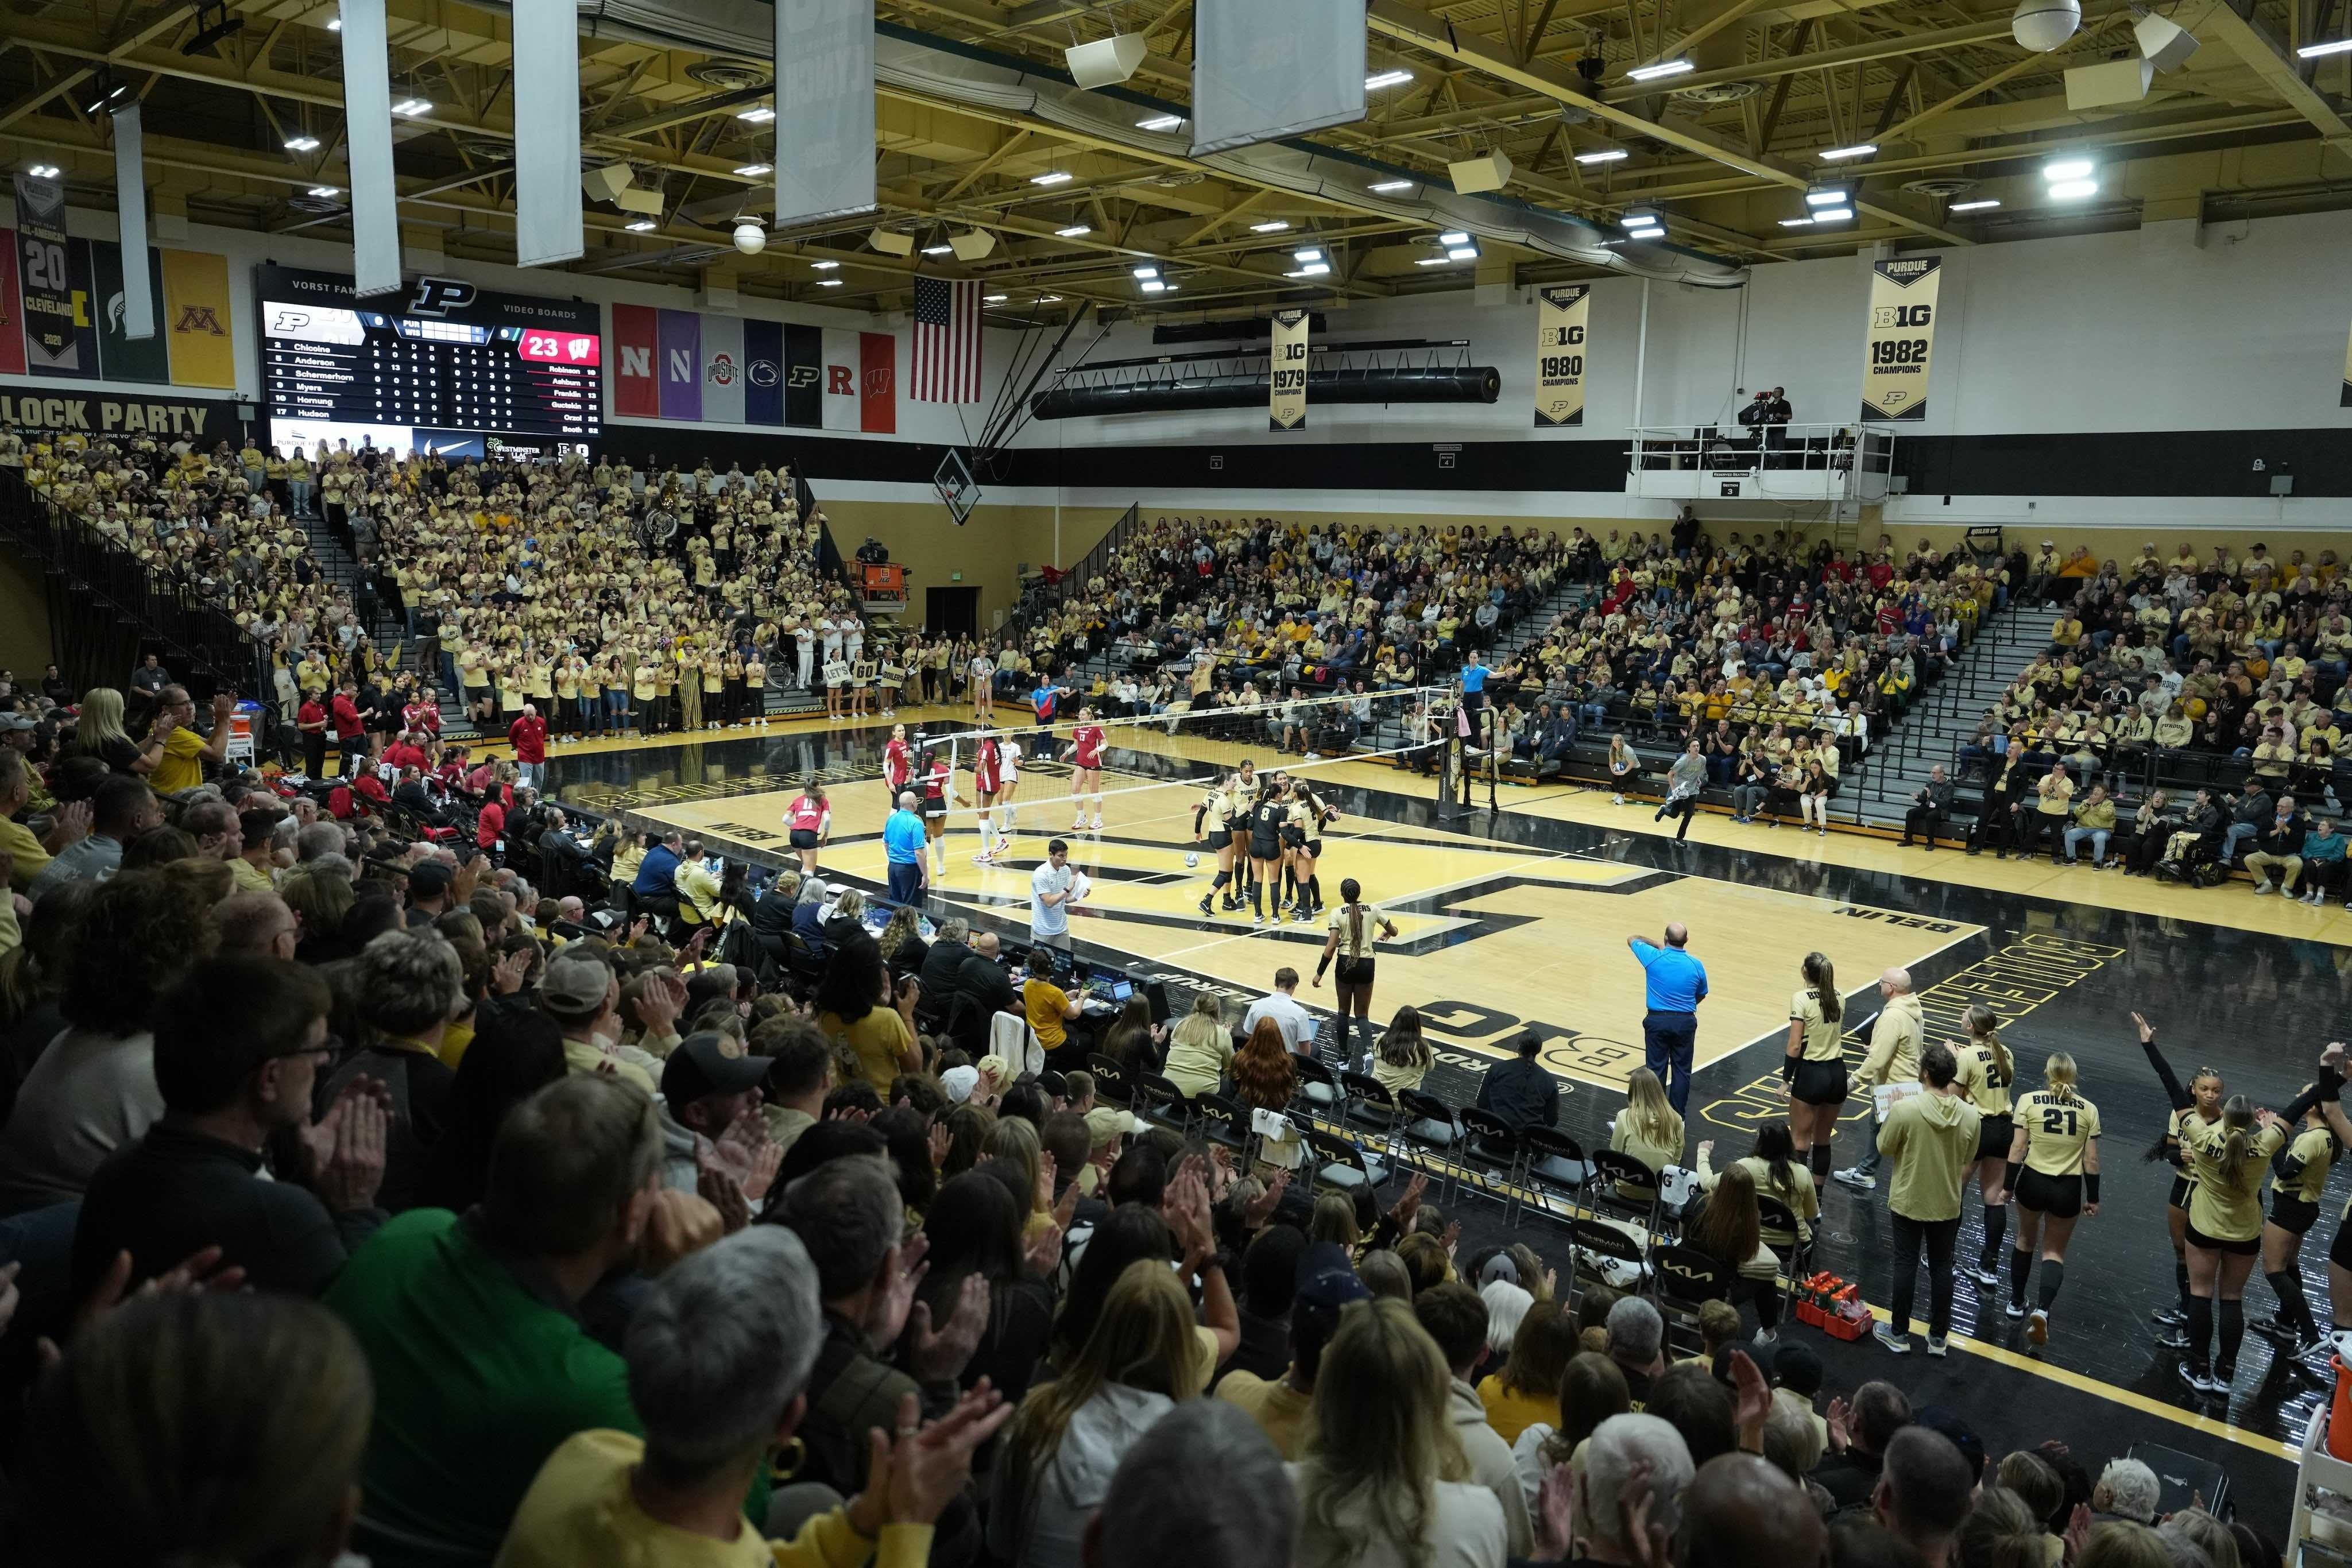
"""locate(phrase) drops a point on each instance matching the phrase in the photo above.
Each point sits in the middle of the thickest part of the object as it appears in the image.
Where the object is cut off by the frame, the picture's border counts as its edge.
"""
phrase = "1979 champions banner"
(1561, 310)
(1902, 330)
(1286, 406)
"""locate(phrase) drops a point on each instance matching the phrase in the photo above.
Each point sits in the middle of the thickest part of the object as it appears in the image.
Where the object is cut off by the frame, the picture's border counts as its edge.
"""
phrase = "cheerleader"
(2205, 1095)
(2051, 1173)
(891, 675)
(987, 775)
(2297, 1179)
(809, 822)
(1212, 824)
(1310, 815)
(1986, 1071)
(938, 781)
(861, 685)
(836, 676)
(898, 761)
(1814, 1065)
(1084, 755)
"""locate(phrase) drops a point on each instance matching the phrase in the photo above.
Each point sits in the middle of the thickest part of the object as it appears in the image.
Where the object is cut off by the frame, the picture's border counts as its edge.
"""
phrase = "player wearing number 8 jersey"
(2052, 1172)
(1985, 1072)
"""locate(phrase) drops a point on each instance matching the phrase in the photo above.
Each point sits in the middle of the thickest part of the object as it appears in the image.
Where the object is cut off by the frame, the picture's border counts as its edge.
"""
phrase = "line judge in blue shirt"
(1676, 983)
(902, 842)
(1473, 694)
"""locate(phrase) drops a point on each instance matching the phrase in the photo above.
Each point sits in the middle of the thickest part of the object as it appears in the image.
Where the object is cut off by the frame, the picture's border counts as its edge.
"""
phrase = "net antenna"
(1157, 768)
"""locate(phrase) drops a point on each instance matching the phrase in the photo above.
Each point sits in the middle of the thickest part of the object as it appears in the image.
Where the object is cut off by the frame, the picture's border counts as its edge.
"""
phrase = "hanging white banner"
(1560, 312)
(825, 109)
(367, 142)
(131, 214)
(1287, 385)
(1262, 72)
(547, 132)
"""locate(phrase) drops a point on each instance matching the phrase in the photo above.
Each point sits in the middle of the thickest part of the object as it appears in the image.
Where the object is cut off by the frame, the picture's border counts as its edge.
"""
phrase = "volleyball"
(1191, 861)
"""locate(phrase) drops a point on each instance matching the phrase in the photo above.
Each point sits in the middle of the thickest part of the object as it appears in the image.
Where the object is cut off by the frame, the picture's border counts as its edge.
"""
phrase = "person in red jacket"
(311, 720)
(491, 825)
(350, 734)
(406, 753)
(528, 733)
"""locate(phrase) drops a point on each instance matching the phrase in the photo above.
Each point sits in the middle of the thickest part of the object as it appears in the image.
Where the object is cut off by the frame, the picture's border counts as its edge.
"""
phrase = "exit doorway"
(951, 612)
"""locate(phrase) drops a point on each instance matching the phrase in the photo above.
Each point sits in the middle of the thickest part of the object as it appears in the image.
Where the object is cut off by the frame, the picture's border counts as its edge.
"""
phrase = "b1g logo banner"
(1901, 332)
(1560, 312)
(1286, 372)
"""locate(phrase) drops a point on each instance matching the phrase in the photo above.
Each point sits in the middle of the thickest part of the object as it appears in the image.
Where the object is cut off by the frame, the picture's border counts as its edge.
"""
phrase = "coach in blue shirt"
(902, 842)
(1676, 983)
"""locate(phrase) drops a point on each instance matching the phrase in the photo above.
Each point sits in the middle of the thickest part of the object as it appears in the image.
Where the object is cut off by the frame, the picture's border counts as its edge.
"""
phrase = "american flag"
(947, 341)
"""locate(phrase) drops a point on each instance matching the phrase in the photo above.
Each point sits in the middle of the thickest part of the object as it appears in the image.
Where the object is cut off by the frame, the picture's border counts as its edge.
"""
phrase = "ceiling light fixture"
(824, 265)
(315, 190)
(1833, 214)
(1161, 122)
(302, 144)
(1976, 206)
(412, 107)
(1796, 222)
(1453, 236)
(937, 249)
(1860, 150)
(1049, 300)
(1312, 253)
(1389, 187)
(1053, 177)
(1828, 197)
(43, 171)
(1074, 231)
(1435, 261)
(1607, 155)
(2332, 46)
(2066, 169)
(1662, 69)
(1463, 253)
(753, 170)
(828, 283)
(1154, 286)
(2074, 190)
(758, 115)
(643, 225)
(994, 299)
(1271, 227)
(1386, 79)
(336, 26)
(1146, 272)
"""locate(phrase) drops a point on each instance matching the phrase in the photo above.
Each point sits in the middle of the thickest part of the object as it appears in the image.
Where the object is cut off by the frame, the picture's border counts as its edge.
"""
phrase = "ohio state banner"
(1902, 330)
(1561, 310)
(1286, 386)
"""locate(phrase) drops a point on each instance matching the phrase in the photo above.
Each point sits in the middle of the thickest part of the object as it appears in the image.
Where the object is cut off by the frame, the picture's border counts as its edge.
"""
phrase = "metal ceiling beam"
(1826, 59)
(163, 22)
(2263, 53)
(1391, 18)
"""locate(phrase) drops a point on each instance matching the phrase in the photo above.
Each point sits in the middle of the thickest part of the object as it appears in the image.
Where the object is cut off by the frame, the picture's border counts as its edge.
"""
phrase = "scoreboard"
(440, 366)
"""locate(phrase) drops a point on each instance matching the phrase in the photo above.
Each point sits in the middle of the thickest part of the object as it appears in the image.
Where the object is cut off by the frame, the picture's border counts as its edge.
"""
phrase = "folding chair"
(1111, 1080)
(1779, 1230)
(1340, 1166)
(1623, 1186)
(1490, 1150)
(1318, 1089)
(1370, 1103)
(1557, 1164)
(1430, 1128)
(1606, 1253)
(1223, 1122)
(1683, 1279)
(1157, 1100)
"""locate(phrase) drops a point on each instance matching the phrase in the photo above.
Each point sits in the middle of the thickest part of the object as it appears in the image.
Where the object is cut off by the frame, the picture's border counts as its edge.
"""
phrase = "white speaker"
(891, 243)
(2108, 83)
(973, 247)
(2041, 25)
(2167, 46)
(1105, 63)
(1491, 172)
(606, 184)
(634, 201)
(750, 238)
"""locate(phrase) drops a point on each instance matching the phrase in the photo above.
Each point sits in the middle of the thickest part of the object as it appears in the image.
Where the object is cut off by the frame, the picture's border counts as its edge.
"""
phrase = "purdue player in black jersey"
(1267, 814)
(2052, 1174)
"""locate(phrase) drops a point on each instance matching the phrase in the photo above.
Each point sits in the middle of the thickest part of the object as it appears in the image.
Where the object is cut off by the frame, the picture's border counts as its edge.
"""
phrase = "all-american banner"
(696, 368)
(1560, 312)
(1902, 332)
(62, 304)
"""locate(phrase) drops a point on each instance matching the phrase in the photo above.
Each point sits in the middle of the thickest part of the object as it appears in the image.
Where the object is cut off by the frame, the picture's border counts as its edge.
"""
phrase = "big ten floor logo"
(1565, 1052)
(741, 831)
(1765, 1100)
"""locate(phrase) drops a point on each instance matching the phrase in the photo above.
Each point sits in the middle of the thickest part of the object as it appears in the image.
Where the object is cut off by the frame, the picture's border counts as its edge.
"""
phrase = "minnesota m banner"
(1561, 309)
(1901, 329)
(1286, 406)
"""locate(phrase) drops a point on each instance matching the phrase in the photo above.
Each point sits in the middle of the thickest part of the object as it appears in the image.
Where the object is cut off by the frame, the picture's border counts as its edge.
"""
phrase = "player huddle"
(1267, 833)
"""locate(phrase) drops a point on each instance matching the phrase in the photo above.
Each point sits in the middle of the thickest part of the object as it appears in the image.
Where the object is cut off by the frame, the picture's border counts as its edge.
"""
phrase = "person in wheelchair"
(2194, 849)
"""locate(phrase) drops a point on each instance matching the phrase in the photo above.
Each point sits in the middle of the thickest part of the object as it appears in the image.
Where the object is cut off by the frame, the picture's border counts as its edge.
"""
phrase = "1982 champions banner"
(1561, 310)
(1902, 330)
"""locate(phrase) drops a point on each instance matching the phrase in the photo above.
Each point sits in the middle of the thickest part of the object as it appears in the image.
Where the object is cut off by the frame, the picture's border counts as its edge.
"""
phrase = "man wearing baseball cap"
(1327, 1284)
(705, 1090)
(579, 992)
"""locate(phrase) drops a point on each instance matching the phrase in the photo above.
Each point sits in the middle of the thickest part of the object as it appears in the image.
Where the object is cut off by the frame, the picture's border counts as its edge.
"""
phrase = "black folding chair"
(1778, 1229)
(1490, 1151)
(1431, 1129)
(1683, 1279)
(1159, 1100)
(1318, 1089)
(1223, 1122)
(1593, 1245)
(1557, 1164)
(1370, 1103)
(1623, 1186)
(1340, 1166)
(1111, 1080)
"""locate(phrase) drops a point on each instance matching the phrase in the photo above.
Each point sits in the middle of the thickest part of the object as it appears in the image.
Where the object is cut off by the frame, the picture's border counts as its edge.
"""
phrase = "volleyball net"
(1156, 767)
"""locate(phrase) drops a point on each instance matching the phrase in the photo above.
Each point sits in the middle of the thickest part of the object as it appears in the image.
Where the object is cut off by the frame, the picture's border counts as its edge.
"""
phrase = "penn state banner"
(1286, 382)
(1560, 312)
(1902, 330)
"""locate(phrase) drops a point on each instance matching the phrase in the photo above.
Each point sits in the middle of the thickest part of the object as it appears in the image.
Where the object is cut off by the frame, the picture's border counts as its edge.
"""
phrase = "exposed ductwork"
(1448, 383)
(954, 74)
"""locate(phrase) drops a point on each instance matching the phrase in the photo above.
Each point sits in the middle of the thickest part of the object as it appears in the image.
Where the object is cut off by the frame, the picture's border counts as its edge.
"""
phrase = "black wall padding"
(1452, 383)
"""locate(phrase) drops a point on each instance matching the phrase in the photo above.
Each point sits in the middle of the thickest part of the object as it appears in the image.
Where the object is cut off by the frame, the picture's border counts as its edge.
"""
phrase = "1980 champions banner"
(1561, 310)
(1901, 329)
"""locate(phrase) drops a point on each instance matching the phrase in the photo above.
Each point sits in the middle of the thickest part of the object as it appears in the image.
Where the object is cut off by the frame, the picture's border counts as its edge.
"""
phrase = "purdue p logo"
(439, 295)
(200, 318)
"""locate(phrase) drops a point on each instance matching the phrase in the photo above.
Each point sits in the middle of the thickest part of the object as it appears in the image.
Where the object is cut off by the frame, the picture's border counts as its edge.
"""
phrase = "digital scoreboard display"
(440, 366)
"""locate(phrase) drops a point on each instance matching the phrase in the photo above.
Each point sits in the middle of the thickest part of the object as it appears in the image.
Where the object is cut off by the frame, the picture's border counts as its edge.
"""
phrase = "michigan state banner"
(1561, 310)
(1902, 332)
(1286, 406)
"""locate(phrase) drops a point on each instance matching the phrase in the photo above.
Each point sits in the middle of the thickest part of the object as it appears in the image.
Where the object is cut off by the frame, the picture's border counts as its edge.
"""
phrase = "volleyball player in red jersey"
(986, 778)
(898, 761)
(938, 781)
(1085, 757)
(809, 819)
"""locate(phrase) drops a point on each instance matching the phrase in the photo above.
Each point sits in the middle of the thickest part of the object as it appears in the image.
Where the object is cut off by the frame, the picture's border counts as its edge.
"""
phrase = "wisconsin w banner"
(1901, 329)
(1287, 385)
(1561, 309)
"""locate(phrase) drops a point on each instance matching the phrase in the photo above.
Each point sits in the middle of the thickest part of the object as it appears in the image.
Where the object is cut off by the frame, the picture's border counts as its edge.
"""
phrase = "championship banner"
(1901, 329)
(2348, 375)
(1561, 310)
(196, 320)
(60, 337)
(1287, 385)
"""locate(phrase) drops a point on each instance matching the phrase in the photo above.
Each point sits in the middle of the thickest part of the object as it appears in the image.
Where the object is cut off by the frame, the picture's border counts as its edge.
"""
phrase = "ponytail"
(1984, 1027)
(1352, 894)
(1822, 974)
(2238, 1115)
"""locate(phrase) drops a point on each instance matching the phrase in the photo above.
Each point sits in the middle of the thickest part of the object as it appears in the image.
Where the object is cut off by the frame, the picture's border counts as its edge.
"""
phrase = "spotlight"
(43, 171)
(2074, 190)
(1833, 214)
(2066, 169)
(1828, 197)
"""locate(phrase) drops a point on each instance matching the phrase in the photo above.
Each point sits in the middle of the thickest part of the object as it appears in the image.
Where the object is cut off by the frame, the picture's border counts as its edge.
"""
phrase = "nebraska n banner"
(1902, 332)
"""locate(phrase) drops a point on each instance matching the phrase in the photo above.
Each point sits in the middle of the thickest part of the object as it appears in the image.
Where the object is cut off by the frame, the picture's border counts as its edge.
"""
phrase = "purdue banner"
(1561, 309)
(1287, 385)
(1901, 329)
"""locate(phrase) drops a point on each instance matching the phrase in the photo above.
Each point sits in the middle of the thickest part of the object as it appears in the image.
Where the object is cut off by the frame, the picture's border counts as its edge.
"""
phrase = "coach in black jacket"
(1931, 808)
(1520, 1091)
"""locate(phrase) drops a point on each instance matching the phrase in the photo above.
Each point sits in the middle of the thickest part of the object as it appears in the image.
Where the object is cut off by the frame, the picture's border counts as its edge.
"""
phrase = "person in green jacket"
(2095, 818)
(1931, 1137)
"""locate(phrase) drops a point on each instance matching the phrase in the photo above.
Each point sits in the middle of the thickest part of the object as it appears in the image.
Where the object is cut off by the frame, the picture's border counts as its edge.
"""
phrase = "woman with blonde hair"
(1201, 1049)
(2052, 1176)
(1015, 1140)
(1814, 1065)
(1649, 1128)
(1383, 1482)
(1066, 1441)
(99, 733)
